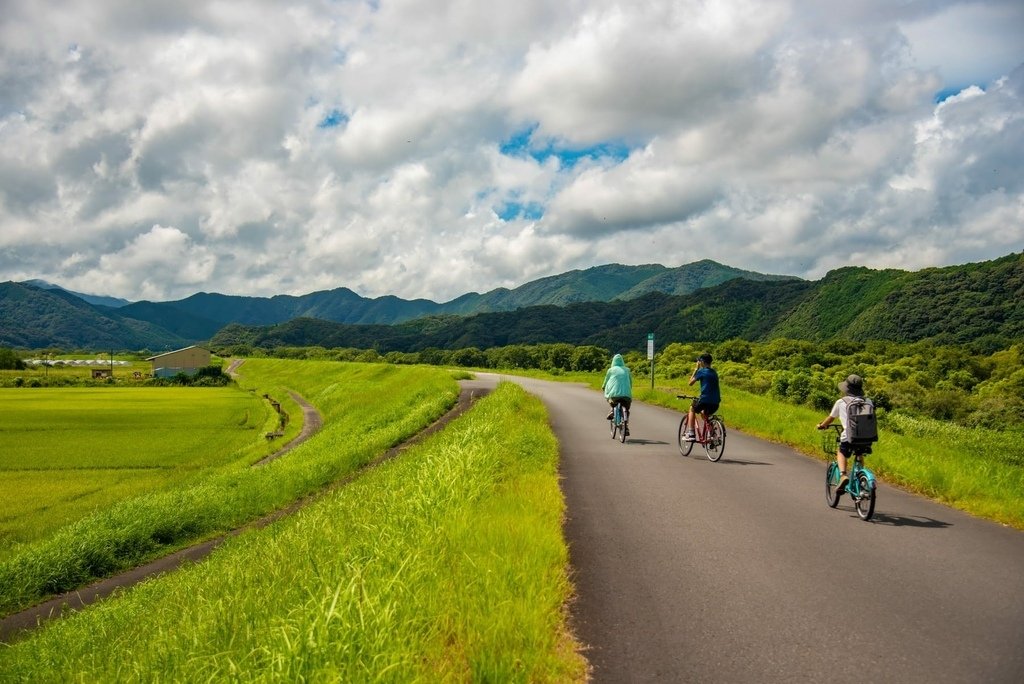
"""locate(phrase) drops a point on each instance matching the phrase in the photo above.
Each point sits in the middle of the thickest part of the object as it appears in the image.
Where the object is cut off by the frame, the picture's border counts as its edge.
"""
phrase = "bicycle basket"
(830, 441)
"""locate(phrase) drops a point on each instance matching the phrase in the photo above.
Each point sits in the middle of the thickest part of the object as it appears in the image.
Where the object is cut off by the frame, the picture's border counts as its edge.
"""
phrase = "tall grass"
(445, 564)
(374, 407)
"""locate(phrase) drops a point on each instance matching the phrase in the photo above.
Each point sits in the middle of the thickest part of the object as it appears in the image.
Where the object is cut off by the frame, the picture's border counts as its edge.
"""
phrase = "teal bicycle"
(861, 486)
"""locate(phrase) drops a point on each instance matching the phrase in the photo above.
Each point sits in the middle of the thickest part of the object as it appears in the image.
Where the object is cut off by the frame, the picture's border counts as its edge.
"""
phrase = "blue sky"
(430, 148)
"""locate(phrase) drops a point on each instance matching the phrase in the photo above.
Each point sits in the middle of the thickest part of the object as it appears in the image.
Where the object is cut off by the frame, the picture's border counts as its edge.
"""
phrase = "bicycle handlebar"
(686, 396)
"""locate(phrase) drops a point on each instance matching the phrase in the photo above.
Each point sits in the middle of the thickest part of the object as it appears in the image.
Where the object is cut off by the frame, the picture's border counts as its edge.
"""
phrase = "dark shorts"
(847, 449)
(625, 401)
(703, 406)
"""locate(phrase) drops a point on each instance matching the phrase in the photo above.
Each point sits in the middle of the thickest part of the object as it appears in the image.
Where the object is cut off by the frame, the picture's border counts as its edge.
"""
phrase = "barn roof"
(176, 351)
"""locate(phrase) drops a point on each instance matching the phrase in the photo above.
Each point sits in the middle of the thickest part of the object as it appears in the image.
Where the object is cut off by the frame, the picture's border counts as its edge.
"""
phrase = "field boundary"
(15, 624)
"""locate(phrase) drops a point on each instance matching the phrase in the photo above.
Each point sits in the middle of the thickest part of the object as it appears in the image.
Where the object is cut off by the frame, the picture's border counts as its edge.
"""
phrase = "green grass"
(444, 564)
(374, 406)
(65, 452)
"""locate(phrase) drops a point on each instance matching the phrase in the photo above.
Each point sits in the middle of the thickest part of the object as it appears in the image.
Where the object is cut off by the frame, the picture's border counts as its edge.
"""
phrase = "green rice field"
(65, 452)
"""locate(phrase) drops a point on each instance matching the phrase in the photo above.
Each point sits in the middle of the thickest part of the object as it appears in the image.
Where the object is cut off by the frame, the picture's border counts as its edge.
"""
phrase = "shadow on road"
(909, 521)
(739, 462)
(630, 440)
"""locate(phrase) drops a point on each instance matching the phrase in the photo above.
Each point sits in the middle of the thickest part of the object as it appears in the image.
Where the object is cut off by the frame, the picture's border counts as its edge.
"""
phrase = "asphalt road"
(737, 571)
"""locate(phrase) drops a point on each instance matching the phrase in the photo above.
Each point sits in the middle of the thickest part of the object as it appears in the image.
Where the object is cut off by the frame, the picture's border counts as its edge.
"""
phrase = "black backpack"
(861, 427)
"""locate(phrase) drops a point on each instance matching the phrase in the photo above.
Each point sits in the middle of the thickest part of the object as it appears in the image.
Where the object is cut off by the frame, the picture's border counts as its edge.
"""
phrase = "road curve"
(736, 571)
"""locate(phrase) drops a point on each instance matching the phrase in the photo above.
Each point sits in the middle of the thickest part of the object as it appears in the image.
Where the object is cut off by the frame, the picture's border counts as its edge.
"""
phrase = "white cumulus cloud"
(427, 148)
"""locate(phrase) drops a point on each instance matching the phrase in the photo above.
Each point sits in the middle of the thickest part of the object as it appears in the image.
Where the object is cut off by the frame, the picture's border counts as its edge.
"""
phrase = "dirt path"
(312, 421)
(13, 625)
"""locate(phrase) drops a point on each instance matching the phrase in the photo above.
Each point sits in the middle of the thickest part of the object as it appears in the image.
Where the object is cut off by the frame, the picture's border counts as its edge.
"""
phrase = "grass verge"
(444, 564)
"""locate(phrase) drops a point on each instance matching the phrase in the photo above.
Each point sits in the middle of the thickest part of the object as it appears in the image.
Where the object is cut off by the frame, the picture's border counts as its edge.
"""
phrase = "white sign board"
(650, 346)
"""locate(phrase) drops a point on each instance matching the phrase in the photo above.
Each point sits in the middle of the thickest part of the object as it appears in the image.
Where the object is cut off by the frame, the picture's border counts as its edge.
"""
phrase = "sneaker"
(689, 437)
(841, 487)
(627, 432)
(611, 414)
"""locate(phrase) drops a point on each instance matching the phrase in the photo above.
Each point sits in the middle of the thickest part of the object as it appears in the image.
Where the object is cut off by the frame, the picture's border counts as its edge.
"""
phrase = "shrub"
(9, 360)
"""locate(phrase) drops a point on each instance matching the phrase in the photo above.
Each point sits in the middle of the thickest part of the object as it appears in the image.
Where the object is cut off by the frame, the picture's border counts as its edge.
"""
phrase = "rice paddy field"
(68, 451)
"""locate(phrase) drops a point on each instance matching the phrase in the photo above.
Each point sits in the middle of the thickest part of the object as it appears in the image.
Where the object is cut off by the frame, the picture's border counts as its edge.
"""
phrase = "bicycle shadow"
(644, 442)
(909, 521)
(741, 462)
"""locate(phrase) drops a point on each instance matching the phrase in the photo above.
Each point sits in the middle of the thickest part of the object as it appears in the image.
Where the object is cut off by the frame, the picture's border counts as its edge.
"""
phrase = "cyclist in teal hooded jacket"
(618, 386)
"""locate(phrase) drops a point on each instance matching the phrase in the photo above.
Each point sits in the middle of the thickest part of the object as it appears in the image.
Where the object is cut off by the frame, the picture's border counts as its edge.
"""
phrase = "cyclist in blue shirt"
(709, 398)
(618, 387)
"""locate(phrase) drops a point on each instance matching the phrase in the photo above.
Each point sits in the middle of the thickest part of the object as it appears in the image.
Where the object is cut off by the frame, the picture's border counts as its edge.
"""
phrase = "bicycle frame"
(620, 420)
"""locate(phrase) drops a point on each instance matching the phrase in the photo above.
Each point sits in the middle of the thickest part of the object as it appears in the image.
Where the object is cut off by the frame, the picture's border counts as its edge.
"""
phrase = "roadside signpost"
(650, 355)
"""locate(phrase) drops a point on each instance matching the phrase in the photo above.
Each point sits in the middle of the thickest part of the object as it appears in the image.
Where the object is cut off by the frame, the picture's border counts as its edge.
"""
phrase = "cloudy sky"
(427, 148)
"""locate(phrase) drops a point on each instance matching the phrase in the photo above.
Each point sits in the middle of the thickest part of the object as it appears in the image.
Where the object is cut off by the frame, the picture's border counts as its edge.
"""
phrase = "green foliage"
(9, 360)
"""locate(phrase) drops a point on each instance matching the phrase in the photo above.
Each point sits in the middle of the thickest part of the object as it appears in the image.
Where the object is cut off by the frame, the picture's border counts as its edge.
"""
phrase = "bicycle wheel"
(865, 502)
(622, 432)
(684, 446)
(714, 447)
(615, 419)
(832, 484)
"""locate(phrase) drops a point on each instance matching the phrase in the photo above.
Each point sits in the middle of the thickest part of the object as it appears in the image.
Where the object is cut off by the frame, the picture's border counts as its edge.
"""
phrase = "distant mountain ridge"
(100, 300)
(981, 304)
(611, 306)
(198, 317)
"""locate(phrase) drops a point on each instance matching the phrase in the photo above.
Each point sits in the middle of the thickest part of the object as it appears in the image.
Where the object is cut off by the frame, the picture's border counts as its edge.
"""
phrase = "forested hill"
(36, 313)
(976, 303)
(34, 318)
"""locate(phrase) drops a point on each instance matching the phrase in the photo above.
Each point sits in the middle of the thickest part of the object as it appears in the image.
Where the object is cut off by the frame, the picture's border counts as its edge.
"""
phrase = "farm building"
(188, 361)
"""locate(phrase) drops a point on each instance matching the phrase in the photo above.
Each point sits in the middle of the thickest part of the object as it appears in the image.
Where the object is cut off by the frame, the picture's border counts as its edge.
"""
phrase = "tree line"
(949, 382)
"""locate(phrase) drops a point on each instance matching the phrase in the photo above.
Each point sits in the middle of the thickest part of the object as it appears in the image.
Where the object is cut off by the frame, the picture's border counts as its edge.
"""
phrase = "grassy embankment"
(65, 452)
(374, 407)
(975, 470)
(444, 564)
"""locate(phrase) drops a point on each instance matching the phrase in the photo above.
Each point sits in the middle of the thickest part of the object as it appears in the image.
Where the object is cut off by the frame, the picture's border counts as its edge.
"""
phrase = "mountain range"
(37, 314)
(980, 304)
(611, 306)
